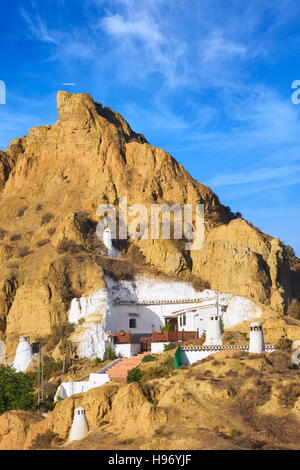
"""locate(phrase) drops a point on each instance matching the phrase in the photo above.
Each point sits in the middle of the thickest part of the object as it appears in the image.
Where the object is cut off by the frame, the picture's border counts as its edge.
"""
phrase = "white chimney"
(23, 355)
(213, 331)
(257, 344)
(80, 426)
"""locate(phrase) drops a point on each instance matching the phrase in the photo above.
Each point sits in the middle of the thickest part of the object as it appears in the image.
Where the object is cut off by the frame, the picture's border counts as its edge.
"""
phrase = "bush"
(51, 367)
(23, 251)
(46, 218)
(22, 211)
(46, 441)
(289, 395)
(155, 372)
(109, 354)
(42, 242)
(15, 237)
(16, 390)
(149, 358)
(51, 231)
(284, 344)
(134, 375)
(234, 433)
(159, 371)
(68, 246)
(166, 327)
(2, 233)
(168, 347)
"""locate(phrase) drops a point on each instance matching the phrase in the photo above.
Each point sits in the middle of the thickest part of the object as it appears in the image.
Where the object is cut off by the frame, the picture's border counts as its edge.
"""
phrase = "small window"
(184, 320)
(132, 323)
(180, 321)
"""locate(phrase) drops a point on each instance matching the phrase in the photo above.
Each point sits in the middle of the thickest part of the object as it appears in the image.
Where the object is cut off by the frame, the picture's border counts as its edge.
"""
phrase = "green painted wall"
(177, 358)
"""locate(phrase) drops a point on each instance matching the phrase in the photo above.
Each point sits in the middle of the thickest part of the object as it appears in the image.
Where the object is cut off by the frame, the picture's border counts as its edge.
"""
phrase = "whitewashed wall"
(190, 357)
(68, 389)
(127, 350)
(157, 348)
(102, 314)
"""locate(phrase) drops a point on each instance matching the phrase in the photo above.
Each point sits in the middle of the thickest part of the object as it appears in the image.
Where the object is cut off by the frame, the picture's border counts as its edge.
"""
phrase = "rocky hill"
(51, 183)
(231, 400)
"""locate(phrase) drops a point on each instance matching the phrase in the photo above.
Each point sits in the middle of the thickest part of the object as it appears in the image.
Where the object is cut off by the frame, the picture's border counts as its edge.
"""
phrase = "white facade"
(190, 357)
(157, 348)
(80, 426)
(144, 305)
(257, 344)
(68, 389)
(23, 355)
(127, 349)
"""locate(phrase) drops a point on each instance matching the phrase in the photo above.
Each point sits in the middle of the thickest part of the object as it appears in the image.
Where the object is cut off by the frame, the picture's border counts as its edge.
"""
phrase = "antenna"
(40, 374)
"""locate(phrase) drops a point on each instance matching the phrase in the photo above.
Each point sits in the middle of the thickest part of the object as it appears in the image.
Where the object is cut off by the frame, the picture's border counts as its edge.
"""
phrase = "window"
(184, 320)
(132, 323)
(180, 321)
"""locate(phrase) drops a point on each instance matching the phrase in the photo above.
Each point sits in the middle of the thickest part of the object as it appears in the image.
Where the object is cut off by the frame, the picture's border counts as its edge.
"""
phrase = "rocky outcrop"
(230, 400)
(51, 184)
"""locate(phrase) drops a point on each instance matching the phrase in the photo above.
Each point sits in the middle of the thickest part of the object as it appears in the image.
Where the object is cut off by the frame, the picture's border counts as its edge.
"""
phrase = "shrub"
(23, 251)
(16, 390)
(109, 354)
(48, 440)
(134, 375)
(51, 231)
(289, 395)
(284, 344)
(21, 211)
(15, 237)
(2, 233)
(166, 327)
(159, 371)
(168, 347)
(66, 245)
(234, 433)
(46, 218)
(149, 358)
(155, 372)
(42, 242)
(39, 207)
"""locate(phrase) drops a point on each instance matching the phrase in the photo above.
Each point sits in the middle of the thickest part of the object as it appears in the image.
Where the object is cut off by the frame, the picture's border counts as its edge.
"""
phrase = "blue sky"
(207, 80)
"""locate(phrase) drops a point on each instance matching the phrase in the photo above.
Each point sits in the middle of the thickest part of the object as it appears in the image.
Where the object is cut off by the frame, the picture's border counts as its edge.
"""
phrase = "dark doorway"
(173, 323)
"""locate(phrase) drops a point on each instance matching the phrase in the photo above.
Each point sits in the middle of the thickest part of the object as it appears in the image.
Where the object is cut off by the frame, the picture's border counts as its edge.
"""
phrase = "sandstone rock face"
(51, 183)
(14, 428)
(201, 407)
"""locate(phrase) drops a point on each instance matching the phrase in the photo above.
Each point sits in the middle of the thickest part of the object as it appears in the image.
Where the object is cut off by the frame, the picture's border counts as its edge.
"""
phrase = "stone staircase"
(118, 372)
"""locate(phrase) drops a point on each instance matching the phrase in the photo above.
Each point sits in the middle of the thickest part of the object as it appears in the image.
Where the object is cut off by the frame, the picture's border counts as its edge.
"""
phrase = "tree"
(16, 390)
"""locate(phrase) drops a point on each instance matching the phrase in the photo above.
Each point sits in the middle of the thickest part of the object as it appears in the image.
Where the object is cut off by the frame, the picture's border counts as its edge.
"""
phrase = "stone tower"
(213, 331)
(80, 426)
(23, 355)
(257, 344)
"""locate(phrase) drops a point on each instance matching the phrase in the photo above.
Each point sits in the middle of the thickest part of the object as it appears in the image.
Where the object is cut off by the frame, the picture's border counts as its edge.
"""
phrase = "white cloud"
(218, 48)
(143, 28)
